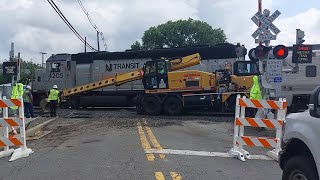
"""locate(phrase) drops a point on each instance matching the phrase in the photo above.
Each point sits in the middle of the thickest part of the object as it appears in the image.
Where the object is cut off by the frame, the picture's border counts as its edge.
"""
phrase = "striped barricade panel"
(257, 141)
(269, 104)
(7, 122)
(10, 103)
(259, 122)
(11, 141)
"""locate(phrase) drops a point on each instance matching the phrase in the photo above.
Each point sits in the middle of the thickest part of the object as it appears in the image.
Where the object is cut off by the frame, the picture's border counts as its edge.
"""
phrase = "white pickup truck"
(300, 155)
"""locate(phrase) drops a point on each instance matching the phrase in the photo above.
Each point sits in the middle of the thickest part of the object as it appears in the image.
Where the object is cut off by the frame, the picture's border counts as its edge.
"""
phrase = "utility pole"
(260, 10)
(19, 67)
(11, 54)
(42, 65)
(98, 40)
(299, 40)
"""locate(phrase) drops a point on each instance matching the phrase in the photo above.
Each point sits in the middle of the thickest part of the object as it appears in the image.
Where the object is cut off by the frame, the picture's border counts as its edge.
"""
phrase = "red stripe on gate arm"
(15, 141)
(273, 104)
(256, 103)
(11, 122)
(2, 104)
(252, 122)
(241, 103)
(2, 144)
(248, 141)
(238, 122)
(265, 143)
(17, 102)
(268, 123)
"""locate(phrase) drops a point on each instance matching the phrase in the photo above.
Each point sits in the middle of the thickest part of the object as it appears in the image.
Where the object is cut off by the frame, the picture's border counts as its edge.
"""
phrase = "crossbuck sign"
(266, 26)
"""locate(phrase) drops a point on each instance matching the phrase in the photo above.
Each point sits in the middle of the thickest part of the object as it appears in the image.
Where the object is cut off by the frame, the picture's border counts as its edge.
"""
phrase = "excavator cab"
(155, 74)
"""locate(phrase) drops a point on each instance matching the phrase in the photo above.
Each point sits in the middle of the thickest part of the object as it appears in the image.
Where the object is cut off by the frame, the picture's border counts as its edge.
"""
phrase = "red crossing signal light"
(280, 52)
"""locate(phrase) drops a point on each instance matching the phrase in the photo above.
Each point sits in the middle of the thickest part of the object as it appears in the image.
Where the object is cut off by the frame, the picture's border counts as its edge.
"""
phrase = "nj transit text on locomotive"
(111, 67)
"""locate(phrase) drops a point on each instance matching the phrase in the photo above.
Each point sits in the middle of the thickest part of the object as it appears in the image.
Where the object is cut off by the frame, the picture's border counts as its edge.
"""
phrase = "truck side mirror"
(314, 106)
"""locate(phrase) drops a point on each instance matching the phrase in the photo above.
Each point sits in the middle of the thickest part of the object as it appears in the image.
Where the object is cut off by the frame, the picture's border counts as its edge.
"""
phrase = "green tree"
(28, 70)
(136, 46)
(181, 33)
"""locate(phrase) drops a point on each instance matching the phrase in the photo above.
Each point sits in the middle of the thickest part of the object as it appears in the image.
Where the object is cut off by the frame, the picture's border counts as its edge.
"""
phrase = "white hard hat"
(28, 87)
(55, 86)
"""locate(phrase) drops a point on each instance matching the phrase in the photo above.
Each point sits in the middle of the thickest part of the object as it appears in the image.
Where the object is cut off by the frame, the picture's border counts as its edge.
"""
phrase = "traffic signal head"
(280, 52)
(299, 36)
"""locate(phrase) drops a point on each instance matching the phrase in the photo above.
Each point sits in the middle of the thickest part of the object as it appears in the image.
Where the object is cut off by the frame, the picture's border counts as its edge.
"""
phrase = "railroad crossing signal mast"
(268, 57)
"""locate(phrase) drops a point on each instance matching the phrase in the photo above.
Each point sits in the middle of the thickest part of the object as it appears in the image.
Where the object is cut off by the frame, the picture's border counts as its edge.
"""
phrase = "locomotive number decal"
(111, 67)
(56, 75)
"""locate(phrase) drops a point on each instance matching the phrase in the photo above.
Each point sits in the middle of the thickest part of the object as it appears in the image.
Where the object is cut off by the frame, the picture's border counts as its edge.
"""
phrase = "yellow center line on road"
(175, 176)
(144, 142)
(159, 175)
(154, 141)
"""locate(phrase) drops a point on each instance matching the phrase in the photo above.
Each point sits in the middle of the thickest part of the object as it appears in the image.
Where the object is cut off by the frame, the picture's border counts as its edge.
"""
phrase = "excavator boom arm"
(122, 78)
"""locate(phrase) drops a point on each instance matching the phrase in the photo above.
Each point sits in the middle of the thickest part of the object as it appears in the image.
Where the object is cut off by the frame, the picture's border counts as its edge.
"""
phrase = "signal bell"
(280, 52)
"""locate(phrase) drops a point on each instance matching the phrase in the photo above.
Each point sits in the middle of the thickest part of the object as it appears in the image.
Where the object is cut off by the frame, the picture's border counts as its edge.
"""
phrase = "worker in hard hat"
(53, 99)
(27, 102)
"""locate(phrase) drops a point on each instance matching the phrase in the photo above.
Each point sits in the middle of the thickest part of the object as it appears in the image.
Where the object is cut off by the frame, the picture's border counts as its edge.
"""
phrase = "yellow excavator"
(170, 91)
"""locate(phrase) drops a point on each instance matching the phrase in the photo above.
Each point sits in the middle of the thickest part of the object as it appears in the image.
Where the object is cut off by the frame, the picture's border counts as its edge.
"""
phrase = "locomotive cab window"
(55, 67)
(68, 65)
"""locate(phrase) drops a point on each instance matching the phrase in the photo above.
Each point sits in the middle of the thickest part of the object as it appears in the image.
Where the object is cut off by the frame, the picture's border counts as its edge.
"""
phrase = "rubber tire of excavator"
(139, 109)
(151, 105)
(172, 106)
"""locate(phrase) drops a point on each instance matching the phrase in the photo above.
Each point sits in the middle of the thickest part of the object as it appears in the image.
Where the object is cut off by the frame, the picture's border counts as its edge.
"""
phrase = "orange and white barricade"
(6, 122)
(239, 139)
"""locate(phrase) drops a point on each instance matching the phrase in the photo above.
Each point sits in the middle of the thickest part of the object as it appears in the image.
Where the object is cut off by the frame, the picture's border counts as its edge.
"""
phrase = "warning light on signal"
(280, 52)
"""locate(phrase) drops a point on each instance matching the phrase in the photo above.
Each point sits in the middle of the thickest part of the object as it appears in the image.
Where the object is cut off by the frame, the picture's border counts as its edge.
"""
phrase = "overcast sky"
(34, 26)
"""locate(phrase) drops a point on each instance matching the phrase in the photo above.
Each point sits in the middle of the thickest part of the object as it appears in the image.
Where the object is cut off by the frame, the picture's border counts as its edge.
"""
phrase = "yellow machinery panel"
(190, 80)
(243, 82)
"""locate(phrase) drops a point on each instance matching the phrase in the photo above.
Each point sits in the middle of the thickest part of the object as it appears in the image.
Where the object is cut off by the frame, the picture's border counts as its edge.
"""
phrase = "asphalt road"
(114, 145)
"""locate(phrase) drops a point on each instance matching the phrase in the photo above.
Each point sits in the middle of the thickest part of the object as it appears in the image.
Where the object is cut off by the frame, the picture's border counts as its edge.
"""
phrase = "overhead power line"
(65, 20)
(93, 24)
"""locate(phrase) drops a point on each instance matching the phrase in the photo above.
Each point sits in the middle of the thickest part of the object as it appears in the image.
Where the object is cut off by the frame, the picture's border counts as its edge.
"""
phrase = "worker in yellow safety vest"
(17, 92)
(255, 93)
(53, 99)
(27, 102)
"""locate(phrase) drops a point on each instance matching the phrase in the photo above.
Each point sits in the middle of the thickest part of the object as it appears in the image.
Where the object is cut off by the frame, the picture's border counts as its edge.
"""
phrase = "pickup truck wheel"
(300, 168)
(151, 105)
(172, 106)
